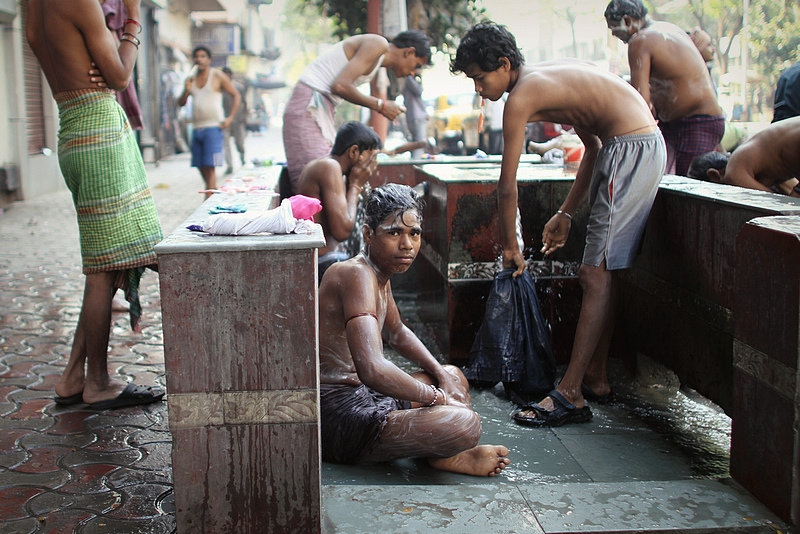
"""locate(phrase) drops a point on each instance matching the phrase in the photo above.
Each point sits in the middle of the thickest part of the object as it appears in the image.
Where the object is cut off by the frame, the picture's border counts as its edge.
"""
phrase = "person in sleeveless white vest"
(308, 121)
(205, 87)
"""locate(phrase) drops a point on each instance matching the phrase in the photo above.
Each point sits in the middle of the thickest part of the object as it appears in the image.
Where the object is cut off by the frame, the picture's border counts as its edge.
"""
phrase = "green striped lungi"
(103, 168)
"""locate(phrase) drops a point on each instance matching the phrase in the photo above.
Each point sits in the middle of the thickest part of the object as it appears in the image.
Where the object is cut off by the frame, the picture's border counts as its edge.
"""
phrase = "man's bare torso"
(310, 186)
(679, 84)
(58, 43)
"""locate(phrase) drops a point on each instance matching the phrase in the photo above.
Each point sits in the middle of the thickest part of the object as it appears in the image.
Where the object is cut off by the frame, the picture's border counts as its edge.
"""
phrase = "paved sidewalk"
(73, 469)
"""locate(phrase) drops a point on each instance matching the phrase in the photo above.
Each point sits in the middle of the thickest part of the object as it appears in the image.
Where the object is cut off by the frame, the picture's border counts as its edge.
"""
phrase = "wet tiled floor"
(652, 462)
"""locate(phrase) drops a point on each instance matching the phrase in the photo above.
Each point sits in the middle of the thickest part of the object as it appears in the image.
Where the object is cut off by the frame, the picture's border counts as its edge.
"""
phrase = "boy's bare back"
(577, 93)
(770, 156)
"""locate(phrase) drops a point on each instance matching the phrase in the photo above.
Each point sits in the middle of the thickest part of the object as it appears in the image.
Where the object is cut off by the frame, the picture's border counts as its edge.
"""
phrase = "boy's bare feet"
(480, 461)
(542, 148)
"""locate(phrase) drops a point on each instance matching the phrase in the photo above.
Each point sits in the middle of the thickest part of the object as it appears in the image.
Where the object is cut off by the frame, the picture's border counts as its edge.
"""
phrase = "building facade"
(29, 116)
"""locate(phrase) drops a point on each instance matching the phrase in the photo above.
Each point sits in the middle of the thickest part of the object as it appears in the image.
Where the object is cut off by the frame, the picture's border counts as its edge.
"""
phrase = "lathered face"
(620, 29)
(395, 243)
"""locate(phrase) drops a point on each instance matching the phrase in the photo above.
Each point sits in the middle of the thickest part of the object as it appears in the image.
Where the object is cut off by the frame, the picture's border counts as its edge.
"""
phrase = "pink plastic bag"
(304, 207)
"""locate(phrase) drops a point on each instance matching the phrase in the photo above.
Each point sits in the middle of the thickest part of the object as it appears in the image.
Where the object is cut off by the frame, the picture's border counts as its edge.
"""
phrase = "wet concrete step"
(641, 506)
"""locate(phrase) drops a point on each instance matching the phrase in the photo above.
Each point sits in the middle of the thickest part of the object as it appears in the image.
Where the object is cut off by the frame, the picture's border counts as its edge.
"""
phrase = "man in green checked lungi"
(103, 168)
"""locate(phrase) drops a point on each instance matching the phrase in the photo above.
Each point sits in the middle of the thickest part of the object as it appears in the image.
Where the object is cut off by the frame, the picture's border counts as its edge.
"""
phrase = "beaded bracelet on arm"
(435, 395)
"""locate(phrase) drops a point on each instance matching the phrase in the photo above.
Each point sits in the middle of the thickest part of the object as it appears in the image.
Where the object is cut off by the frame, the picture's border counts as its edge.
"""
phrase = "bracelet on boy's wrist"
(565, 214)
(435, 395)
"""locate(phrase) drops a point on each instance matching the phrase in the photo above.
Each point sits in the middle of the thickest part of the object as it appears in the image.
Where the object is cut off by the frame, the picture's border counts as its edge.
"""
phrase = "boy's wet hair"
(414, 39)
(484, 45)
(698, 168)
(390, 199)
(355, 133)
(616, 9)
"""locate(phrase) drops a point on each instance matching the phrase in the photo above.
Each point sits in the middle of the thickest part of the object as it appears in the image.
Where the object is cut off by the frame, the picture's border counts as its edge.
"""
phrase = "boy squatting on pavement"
(621, 168)
(371, 410)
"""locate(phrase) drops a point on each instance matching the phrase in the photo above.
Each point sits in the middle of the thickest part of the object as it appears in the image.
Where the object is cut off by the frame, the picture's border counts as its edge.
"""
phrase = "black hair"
(484, 45)
(390, 199)
(227, 70)
(698, 168)
(414, 39)
(616, 9)
(203, 49)
(355, 133)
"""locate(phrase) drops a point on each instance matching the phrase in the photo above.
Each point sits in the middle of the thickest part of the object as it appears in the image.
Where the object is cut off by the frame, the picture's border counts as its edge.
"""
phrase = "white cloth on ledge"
(279, 220)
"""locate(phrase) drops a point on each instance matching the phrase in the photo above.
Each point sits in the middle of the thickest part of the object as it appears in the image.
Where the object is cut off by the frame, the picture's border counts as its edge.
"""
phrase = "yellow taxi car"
(455, 123)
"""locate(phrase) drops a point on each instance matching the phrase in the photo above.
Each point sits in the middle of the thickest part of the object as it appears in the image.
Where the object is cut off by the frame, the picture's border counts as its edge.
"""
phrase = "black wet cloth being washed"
(513, 343)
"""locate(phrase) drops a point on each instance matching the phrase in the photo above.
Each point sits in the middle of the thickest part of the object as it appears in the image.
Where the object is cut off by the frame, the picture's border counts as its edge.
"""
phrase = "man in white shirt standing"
(208, 117)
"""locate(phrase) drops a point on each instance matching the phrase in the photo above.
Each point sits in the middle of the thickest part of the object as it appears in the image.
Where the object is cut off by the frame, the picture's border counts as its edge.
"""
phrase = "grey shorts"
(623, 187)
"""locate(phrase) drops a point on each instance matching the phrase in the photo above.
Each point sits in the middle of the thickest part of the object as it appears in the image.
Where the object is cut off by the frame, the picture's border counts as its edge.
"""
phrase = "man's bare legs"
(592, 338)
(209, 177)
(87, 368)
(446, 435)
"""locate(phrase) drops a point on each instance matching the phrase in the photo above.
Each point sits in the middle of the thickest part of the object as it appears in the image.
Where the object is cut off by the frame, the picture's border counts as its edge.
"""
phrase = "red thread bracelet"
(135, 22)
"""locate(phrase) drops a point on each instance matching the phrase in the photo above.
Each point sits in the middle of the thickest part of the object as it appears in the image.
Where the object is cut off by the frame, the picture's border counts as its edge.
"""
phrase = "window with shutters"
(34, 100)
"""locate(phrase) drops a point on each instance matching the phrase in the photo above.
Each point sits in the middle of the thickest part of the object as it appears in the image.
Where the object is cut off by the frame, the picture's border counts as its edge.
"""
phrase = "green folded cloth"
(236, 208)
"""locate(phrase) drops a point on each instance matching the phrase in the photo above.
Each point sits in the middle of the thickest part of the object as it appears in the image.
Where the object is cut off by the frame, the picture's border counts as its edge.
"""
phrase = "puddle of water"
(685, 419)
(693, 423)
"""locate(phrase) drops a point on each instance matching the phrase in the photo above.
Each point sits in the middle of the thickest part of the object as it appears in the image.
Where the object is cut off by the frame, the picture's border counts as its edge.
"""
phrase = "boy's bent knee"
(456, 372)
(466, 427)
